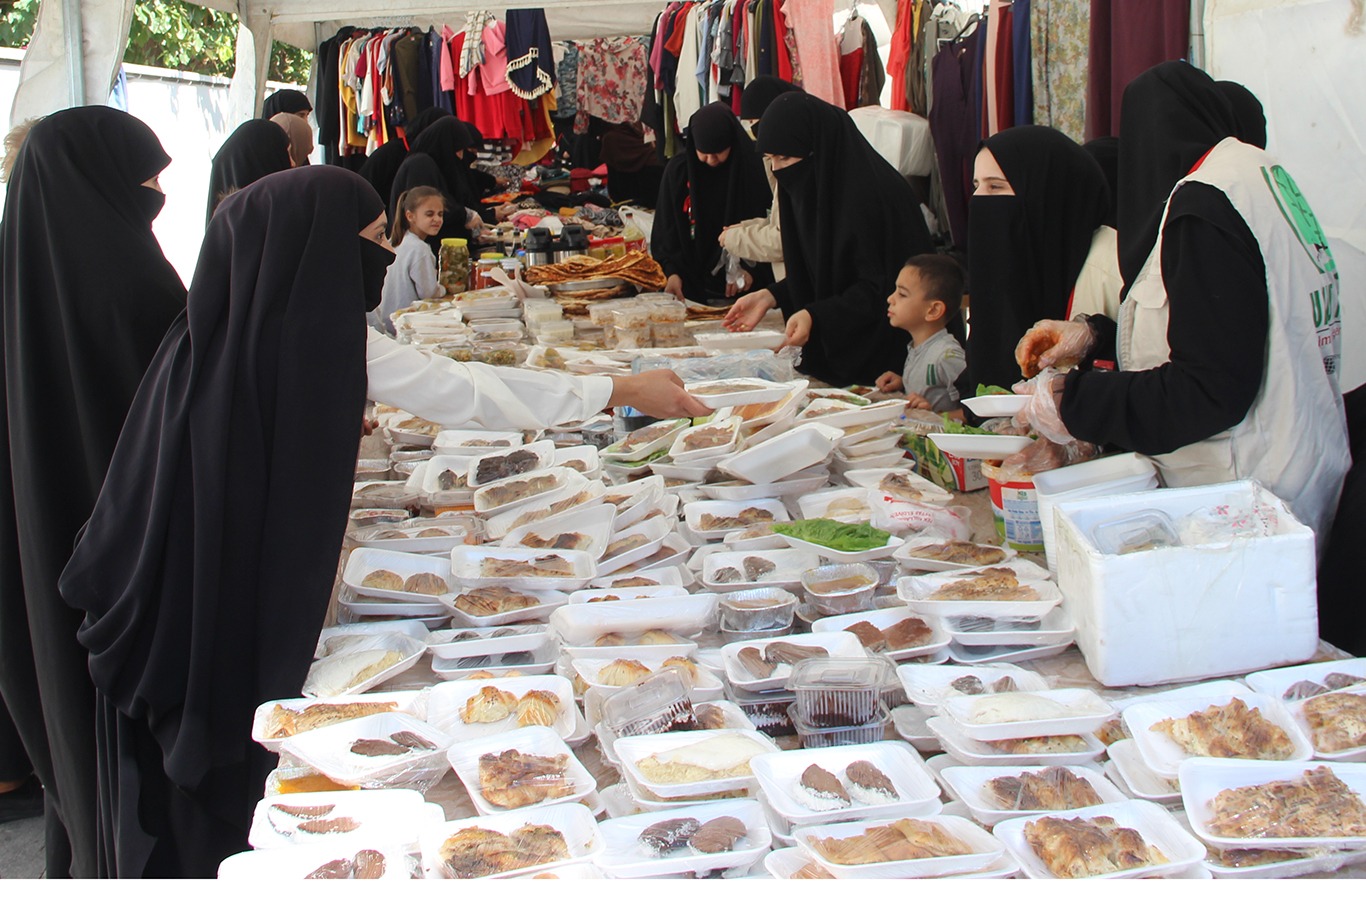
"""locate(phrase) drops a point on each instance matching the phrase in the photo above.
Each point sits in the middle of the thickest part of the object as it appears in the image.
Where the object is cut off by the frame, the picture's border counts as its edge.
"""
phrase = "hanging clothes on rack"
(816, 48)
(1128, 38)
(955, 123)
(1022, 76)
(1059, 33)
(531, 63)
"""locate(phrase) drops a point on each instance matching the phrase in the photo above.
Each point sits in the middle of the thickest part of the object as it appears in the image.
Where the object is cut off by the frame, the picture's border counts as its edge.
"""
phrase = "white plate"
(500, 526)
(977, 445)
(593, 521)
(1076, 711)
(907, 561)
(996, 405)
(871, 478)
(573, 821)
(655, 530)
(536, 663)
(783, 455)
(328, 750)
(1202, 779)
(694, 513)
(296, 863)
(1138, 777)
(633, 749)
(388, 816)
(802, 482)
(412, 703)
(504, 640)
(410, 648)
(457, 442)
(364, 560)
(976, 752)
(787, 572)
(840, 645)
(972, 655)
(623, 856)
(986, 850)
(1054, 628)
(446, 700)
(840, 556)
(582, 624)
(546, 603)
(720, 398)
(464, 758)
(779, 773)
(465, 566)
(543, 451)
(969, 783)
(1157, 828)
(566, 483)
(929, 686)
(883, 620)
(1276, 682)
(916, 591)
(620, 453)
(1162, 754)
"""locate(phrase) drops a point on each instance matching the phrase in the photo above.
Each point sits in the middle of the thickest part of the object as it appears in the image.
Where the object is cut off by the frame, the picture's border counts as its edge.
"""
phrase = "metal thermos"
(540, 247)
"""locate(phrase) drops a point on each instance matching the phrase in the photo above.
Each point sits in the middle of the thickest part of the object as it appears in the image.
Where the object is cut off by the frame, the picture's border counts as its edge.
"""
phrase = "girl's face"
(427, 218)
(988, 178)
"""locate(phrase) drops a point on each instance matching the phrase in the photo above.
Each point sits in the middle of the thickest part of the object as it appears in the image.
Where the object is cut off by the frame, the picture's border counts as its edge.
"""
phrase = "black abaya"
(697, 201)
(250, 153)
(78, 336)
(1026, 251)
(444, 141)
(381, 166)
(849, 222)
(205, 570)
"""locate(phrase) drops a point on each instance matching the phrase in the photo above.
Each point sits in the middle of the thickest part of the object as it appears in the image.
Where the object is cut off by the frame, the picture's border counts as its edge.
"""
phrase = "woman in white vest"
(1228, 336)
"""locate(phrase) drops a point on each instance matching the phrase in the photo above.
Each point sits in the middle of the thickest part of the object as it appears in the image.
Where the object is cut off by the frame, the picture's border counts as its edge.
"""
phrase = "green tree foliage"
(173, 35)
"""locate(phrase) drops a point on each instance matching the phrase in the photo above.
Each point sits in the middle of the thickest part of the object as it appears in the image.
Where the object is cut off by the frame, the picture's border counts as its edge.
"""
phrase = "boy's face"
(908, 307)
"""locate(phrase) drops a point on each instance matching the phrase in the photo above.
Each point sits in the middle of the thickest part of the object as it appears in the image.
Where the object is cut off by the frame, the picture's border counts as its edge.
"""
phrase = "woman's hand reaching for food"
(674, 286)
(746, 312)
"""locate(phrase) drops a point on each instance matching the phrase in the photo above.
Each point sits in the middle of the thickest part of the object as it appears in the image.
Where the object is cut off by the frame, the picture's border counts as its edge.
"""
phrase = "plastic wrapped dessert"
(1337, 721)
(512, 779)
(1316, 804)
(903, 839)
(716, 758)
(961, 552)
(364, 864)
(988, 584)
(477, 852)
(493, 601)
(284, 721)
(1082, 848)
(1048, 789)
(1228, 731)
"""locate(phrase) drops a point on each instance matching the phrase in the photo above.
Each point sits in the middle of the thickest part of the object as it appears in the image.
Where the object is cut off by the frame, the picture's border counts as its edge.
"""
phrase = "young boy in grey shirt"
(929, 292)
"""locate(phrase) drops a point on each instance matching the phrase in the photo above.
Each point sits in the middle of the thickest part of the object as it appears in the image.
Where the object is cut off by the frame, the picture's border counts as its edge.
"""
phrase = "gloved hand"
(1054, 343)
(1045, 455)
(1042, 411)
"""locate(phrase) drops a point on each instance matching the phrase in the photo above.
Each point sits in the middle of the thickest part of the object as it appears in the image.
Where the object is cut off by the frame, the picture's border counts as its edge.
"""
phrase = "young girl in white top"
(413, 274)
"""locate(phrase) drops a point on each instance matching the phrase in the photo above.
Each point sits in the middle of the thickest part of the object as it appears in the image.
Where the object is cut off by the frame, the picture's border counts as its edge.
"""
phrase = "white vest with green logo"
(1294, 437)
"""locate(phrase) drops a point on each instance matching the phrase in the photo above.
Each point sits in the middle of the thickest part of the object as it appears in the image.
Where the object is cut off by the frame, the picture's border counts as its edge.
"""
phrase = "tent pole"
(73, 31)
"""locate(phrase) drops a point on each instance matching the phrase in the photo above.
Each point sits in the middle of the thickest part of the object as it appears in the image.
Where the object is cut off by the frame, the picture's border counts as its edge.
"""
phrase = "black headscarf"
(849, 221)
(443, 142)
(88, 296)
(696, 200)
(759, 94)
(1025, 251)
(1105, 151)
(423, 120)
(205, 570)
(253, 150)
(1172, 115)
(1247, 112)
(285, 101)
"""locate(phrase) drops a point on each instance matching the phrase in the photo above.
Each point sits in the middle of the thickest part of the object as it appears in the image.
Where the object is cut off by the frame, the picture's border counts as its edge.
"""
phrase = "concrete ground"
(21, 849)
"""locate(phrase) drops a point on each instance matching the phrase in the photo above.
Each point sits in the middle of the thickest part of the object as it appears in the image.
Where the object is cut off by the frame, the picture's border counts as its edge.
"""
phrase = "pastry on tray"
(1086, 847)
(1315, 804)
(1228, 731)
(903, 839)
(1048, 789)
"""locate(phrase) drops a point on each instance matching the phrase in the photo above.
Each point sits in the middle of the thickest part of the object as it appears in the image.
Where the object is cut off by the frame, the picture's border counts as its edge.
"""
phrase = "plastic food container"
(298, 863)
(1075, 711)
(837, 693)
(969, 784)
(329, 750)
(1145, 530)
(918, 592)
(573, 821)
(521, 663)
(784, 454)
(766, 710)
(446, 701)
(840, 589)
(667, 311)
(631, 317)
(365, 560)
(538, 741)
(496, 329)
(917, 794)
(837, 645)
(971, 751)
(1164, 756)
(624, 856)
(384, 816)
(501, 353)
(633, 749)
(758, 609)
(986, 850)
(659, 703)
(554, 332)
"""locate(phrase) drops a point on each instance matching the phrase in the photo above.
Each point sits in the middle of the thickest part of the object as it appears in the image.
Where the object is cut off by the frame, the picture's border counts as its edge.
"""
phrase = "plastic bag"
(757, 364)
(1226, 523)
(734, 269)
(902, 518)
(1041, 413)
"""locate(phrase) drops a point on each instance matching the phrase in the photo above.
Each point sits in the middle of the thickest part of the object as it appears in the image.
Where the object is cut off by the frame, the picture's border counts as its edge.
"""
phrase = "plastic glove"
(1054, 343)
(1041, 412)
(1044, 455)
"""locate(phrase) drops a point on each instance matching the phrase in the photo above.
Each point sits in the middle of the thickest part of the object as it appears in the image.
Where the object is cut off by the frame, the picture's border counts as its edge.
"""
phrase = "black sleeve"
(1216, 285)
(668, 240)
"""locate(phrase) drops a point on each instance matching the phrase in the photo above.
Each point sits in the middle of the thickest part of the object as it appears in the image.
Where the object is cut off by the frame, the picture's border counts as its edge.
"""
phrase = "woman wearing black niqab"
(849, 223)
(78, 336)
(446, 142)
(1027, 248)
(718, 180)
(253, 150)
(381, 166)
(286, 101)
(205, 570)
(418, 169)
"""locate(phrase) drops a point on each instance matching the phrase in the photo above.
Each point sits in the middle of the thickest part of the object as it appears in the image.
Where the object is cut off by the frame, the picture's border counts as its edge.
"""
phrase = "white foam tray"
(445, 701)
(364, 560)
(385, 816)
(465, 565)
(779, 774)
(327, 750)
(413, 703)
(975, 752)
(581, 624)
(929, 686)
(840, 645)
(624, 857)
(573, 821)
(1157, 828)
(632, 749)
(1161, 753)
(885, 619)
(1204, 778)
(464, 758)
(1085, 712)
(594, 521)
(969, 784)
(986, 850)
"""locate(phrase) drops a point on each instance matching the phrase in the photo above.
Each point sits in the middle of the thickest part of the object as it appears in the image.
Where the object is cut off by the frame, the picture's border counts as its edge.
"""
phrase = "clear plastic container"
(601, 314)
(850, 735)
(838, 693)
(668, 311)
(670, 335)
(766, 710)
(630, 339)
(454, 262)
(554, 332)
(1146, 530)
(497, 330)
(502, 353)
(659, 703)
(757, 610)
(458, 351)
(849, 588)
(631, 317)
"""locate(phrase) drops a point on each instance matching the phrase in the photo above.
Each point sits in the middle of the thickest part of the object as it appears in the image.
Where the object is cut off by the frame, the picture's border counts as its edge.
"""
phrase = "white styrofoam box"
(625, 857)
(389, 816)
(1157, 827)
(1125, 473)
(985, 850)
(779, 774)
(574, 822)
(1217, 609)
(298, 863)
(1202, 779)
